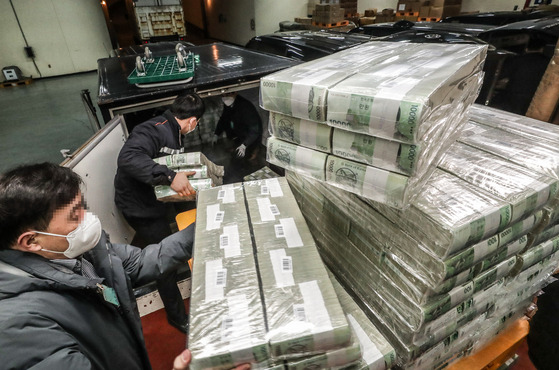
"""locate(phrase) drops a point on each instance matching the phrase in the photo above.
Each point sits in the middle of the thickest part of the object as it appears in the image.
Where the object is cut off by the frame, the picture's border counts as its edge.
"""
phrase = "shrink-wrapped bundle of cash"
(537, 154)
(302, 132)
(526, 191)
(227, 324)
(297, 158)
(396, 111)
(301, 91)
(303, 312)
(426, 319)
(402, 97)
(164, 193)
(206, 174)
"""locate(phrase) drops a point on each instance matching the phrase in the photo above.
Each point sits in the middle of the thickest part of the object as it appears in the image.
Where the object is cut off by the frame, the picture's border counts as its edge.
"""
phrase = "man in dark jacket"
(66, 299)
(136, 175)
(241, 122)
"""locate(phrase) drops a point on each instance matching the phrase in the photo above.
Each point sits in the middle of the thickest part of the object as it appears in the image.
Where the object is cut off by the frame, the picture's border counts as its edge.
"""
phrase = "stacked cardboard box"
(440, 8)
(393, 112)
(444, 276)
(350, 7)
(328, 14)
(386, 15)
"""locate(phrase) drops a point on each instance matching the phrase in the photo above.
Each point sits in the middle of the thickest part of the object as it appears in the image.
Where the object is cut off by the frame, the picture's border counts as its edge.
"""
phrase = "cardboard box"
(370, 12)
(384, 18)
(445, 2)
(388, 11)
(424, 11)
(415, 7)
(366, 20)
(444, 11)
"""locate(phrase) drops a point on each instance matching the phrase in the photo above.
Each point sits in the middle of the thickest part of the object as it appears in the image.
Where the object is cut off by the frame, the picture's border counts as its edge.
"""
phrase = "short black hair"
(30, 194)
(188, 105)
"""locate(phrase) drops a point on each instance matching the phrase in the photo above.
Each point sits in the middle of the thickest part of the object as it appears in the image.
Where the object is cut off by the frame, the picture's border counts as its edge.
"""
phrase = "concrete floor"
(39, 120)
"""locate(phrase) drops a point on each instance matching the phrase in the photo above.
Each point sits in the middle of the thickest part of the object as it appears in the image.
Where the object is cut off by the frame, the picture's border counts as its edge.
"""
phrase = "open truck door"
(96, 163)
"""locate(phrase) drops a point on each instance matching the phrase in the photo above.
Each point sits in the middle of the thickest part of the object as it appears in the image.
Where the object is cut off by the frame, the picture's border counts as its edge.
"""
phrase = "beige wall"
(230, 20)
(67, 36)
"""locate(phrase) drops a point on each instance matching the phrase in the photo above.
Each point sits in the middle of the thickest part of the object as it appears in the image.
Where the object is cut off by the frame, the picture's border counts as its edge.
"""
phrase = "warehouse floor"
(43, 118)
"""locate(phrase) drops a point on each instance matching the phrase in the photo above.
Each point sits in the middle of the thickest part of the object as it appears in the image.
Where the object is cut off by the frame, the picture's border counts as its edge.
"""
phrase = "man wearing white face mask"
(136, 175)
(66, 299)
(241, 122)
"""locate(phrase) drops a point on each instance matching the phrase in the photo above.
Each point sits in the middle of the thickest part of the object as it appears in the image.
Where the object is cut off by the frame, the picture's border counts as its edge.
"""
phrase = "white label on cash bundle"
(375, 184)
(291, 234)
(230, 242)
(386, 154)
(369, 350)
(283, 268)
(226, 194)
(386, 105)
(216, 280)
(214, 217)
(314, 303)
(236, 325)
(264, 206)
(274, 187)
(461, 293)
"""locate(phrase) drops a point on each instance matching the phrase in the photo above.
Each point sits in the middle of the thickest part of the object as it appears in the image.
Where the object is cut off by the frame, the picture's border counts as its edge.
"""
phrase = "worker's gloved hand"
(181, 185)
(241, 150)
(214, 139)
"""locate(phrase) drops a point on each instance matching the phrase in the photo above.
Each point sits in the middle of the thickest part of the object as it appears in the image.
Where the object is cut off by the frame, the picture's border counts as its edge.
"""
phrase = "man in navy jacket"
(136, 175)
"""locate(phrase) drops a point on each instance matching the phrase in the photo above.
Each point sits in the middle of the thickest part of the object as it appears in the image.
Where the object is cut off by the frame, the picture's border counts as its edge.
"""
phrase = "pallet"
(26, 81)
(407, 14)
(493, 355)
(163, 69)
(428, 19)
(330, 25)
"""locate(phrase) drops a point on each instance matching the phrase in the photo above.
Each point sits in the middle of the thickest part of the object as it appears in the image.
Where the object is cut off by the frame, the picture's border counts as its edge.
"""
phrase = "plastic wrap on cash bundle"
(301, 91)
(227, 325)
(515, 123)
(302, 132)
(329, 238)
(276, 219)
(451, 214)
(296, 158)
(526, 190)
(396, 98)
(387, 154)
(537, 254)
(164, 193)
(342, 358)
(369, 182)
(376, 351)
(263, 173)
(303, 312)
(536, 154)
(188, 160)
(546, 234)
(407, 261)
